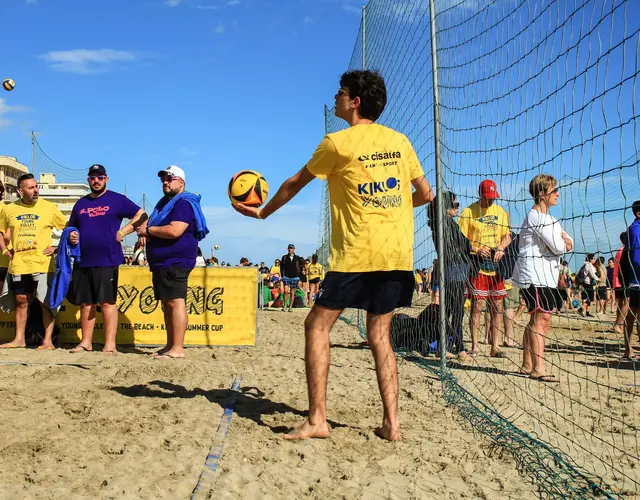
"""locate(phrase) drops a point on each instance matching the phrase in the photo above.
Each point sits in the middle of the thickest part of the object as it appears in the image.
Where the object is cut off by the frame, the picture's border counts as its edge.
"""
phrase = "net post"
(442, 319)
(364, 37)
(33, 154)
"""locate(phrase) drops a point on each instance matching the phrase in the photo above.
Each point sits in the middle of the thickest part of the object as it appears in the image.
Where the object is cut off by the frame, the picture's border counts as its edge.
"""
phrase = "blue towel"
(160, 217)
(66, 256)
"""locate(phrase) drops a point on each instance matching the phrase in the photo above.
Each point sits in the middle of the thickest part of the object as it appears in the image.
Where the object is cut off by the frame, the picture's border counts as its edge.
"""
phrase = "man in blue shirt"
(98, 217)
(632, 280)
(172, 248)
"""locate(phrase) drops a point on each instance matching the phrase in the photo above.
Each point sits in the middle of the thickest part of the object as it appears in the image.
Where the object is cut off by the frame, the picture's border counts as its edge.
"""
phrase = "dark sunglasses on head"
(99, 177)
(554, 191)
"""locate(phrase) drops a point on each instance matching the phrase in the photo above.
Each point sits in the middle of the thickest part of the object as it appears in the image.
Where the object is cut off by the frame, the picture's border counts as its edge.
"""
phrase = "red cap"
(488, 189)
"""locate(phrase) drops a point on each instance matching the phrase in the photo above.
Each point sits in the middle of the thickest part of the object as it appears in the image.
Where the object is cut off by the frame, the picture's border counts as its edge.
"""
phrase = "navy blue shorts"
(291, 282)
(377, 292)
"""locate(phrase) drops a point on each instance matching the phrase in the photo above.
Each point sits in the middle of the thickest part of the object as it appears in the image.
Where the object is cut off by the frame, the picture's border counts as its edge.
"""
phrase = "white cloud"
(83, 61)
(307, 19)
(6, 109)
(173, 3)
(220, 28)
(187, 151)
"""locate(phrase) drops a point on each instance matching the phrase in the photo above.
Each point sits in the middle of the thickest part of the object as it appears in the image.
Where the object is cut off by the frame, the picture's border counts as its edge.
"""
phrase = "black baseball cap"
(291, 245)
(97, 169)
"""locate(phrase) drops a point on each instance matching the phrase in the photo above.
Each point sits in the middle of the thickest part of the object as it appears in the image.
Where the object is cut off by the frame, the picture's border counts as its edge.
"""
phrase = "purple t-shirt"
(181, 252)
(98, 220)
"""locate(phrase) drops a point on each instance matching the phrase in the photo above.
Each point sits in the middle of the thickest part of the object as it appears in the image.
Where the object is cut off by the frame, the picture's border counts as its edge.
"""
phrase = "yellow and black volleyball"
(8, 84)
(249, 188)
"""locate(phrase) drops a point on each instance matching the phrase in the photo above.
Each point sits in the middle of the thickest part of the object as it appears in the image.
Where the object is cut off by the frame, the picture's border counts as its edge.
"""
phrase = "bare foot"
(45, 347)
(307, 430)
(161, 351)
(387, 433)
(81, 348)
(109, 352)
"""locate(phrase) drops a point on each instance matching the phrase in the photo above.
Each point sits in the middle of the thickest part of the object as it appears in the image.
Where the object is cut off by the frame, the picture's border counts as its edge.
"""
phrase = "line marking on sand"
(29, 363)
(208, 475)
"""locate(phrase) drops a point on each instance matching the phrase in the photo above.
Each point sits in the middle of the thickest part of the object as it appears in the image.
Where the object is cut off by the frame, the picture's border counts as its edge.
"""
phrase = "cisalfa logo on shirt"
(378, 159)
(381, 194)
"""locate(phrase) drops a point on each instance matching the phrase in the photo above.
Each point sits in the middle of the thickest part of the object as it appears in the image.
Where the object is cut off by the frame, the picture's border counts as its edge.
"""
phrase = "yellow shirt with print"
(315, 271)
(4, 260)
(418, 278)
(369, 169)
(30, 227)
(484, 227)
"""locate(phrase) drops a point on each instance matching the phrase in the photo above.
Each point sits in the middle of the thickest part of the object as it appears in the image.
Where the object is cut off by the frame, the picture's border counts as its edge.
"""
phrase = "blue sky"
(213, 86)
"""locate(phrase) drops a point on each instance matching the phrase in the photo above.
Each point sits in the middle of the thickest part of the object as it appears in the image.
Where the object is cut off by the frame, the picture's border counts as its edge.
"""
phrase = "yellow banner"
(221, 303)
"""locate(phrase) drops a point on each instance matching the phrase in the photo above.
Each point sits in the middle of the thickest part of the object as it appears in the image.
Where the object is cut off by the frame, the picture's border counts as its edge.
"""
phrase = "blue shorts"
(292, 282)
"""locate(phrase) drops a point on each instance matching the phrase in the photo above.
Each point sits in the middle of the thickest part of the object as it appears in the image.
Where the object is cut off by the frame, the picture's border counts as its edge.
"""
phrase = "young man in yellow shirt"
(370, 169)
(28, 224)
(486, 226)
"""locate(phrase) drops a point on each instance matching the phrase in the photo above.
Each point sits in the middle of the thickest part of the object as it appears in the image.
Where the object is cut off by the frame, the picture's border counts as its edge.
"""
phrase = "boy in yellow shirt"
(28, 224)
(370, 171)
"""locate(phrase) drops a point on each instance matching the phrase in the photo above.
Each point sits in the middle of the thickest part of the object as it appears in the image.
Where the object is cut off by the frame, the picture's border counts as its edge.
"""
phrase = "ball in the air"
(8, 84)
(249, 188)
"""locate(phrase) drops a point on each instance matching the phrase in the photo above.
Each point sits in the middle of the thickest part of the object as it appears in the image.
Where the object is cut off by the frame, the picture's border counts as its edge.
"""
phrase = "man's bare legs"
(110, 317)
(497, 324)
(87, 322)
(509, 337)
(534, 343)
(378, 334)
(621, 314)
(48, 321)
(317, 326)
(22, 310)
(176, 321)
(474, 324)
(633, 313)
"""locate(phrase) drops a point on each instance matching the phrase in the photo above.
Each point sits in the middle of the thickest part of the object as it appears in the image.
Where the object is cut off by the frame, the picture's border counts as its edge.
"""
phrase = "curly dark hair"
(370, 88)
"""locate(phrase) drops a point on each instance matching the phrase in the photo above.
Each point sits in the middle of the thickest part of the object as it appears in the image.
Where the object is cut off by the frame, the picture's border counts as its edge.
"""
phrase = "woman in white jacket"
(542, 243)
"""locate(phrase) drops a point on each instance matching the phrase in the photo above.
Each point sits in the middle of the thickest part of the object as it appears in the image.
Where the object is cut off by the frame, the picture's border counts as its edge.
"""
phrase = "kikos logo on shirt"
(26, 217)
(381, 194)
(369, 188)
(94, 211)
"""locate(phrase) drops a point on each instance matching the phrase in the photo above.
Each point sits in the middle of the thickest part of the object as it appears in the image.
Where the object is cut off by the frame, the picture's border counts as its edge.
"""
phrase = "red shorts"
(485, 287)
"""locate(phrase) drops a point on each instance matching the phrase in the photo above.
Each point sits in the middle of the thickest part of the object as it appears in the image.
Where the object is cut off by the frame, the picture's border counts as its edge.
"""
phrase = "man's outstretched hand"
(245, 210)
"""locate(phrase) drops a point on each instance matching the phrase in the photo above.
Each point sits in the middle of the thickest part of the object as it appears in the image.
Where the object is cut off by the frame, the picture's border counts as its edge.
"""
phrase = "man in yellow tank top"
(370, 170)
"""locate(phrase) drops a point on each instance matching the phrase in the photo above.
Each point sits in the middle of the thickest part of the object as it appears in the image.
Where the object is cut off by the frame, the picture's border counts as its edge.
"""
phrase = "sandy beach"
(130, 426)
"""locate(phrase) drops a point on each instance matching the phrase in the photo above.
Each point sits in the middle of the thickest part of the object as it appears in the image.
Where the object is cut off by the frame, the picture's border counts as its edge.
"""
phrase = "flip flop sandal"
(45, 348)
(79, 348)
(499, 354)
(550, 379)
(11, 345)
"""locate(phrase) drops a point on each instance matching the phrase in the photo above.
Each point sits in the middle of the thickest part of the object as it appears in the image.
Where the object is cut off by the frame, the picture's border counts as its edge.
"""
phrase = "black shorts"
(303, 278)
(170, 283)
(633, 294)
(588, 294)
(563, 294)
(377, 292)
(93, 285)
(3, 274)
(314, 280)
(602, 292)
(541, 298)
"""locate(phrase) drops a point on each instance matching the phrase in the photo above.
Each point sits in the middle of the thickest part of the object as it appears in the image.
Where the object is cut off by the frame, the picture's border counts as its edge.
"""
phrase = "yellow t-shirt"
(418, 278)
(369, 169)
(315, 271)
(30, 228)
(4, 260)
(485, 227)
(274, 270)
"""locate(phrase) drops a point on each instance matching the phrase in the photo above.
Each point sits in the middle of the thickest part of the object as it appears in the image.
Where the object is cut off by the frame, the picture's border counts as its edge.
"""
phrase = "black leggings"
(454, 304)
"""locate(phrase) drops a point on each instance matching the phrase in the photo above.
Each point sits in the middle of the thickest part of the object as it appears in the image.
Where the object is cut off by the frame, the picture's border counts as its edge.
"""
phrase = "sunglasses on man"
(99, 177)
(168, 178)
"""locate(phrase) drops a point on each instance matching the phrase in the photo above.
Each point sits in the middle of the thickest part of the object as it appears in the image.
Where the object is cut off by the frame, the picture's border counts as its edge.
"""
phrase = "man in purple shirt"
(172, 248)
(632, 280)
(98, 217)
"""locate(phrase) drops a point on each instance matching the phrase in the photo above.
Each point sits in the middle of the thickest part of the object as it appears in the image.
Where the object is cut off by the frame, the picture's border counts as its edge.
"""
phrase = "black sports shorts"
(377, 292)
(93, 285)
(170, 283)
(541, 298)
